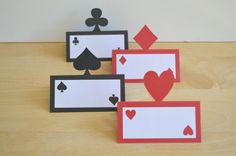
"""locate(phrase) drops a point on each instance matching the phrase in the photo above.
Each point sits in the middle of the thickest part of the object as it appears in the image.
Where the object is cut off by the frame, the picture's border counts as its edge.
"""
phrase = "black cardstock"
(95, 21)
(84, 77)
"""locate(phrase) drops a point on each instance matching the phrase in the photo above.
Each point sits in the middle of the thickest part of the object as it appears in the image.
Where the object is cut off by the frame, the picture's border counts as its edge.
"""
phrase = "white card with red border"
(134, 64)
(160, 122)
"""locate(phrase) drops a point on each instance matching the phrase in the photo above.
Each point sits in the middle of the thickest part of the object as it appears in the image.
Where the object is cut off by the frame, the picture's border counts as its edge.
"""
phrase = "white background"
(180, 20)
(159, 122)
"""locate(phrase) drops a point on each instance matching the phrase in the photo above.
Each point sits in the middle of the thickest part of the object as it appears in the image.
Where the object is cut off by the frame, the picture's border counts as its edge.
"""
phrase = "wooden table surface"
(208, 74)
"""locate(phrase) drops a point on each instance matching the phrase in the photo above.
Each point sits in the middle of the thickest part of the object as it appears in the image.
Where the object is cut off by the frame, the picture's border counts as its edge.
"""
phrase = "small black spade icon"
(61, 87)
(87, 61)
(113, 99)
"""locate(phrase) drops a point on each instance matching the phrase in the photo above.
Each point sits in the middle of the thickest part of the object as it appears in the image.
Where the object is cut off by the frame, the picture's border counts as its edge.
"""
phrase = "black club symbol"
(75, 41)
(97, 20)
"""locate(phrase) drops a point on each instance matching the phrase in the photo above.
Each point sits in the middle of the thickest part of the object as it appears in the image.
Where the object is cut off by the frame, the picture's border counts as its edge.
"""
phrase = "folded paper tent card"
(71, 93)
(158, 121)
(135, 63)
(101, 43)
(170, 121)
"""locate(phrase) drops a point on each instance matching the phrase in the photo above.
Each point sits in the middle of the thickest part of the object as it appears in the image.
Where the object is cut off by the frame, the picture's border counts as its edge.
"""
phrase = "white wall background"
(171, 20)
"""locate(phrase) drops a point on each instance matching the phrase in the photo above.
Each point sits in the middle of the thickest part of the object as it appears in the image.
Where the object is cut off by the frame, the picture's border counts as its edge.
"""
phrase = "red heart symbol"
(188, 130)
(159, 86)
(130, 114)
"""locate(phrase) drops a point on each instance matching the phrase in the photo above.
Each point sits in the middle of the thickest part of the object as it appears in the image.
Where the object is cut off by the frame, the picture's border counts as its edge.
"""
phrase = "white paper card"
(100, 44)
(160, 122)
(135, 65)
(163, 123)
(87, 93)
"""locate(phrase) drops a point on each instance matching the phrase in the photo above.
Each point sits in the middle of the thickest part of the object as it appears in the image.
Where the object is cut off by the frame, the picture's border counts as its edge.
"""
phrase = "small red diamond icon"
(122, 60)
(145, 38)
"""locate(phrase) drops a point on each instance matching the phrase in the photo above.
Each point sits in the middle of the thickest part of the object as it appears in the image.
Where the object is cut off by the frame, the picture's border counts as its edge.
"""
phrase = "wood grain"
(208, 74)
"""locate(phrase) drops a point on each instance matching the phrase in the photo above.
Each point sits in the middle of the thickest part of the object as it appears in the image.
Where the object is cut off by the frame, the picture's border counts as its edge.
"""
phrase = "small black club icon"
(75, 41)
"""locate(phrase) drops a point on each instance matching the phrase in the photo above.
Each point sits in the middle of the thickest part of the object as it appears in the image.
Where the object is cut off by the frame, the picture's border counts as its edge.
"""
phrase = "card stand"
(135, 63)
(100, 42)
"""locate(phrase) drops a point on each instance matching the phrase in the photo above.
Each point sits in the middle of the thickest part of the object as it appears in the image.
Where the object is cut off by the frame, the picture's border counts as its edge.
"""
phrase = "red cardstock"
(131, 115)
(159, 86)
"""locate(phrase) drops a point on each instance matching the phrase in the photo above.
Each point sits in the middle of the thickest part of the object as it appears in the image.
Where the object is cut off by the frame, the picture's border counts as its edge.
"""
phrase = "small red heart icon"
(130, 114)
(188, 130)
(159, 86)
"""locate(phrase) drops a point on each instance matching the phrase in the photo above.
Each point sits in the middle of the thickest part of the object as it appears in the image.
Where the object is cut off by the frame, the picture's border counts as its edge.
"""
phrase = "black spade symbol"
(87, 61)
(113, 99)
(61, 87)
(97, 20)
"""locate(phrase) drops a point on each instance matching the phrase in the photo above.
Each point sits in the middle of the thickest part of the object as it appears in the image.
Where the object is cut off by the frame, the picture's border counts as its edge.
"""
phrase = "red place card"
(134, 64)
(163, 122)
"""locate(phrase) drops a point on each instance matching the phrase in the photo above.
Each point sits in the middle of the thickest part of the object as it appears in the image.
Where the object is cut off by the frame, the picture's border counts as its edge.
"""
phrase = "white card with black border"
(86, 92)
(100, 43)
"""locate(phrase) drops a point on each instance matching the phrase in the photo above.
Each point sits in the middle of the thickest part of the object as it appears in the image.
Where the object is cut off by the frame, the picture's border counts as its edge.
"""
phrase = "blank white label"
(162, 122)
(170, 121)
(134, 64)
(100, 45)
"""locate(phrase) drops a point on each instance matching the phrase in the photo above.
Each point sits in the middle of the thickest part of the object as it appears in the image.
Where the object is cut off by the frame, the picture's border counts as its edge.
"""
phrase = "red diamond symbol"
(122, 60)
(145, 38)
